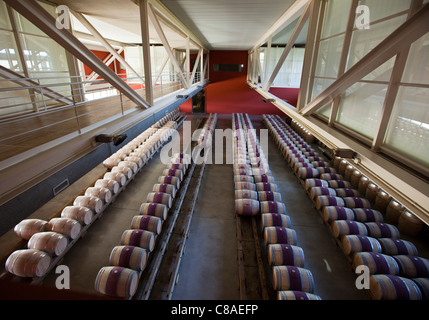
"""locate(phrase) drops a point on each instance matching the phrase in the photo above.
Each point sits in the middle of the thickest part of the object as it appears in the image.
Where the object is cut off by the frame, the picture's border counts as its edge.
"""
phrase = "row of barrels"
(128, 260)
(397, 272)
(48, 241)
(256, 193)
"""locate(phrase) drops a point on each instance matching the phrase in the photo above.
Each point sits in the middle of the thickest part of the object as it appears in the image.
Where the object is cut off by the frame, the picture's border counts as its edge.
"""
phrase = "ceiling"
(218, 24)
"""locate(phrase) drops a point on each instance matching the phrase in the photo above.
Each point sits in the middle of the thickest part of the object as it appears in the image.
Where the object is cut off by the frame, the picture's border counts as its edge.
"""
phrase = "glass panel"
(290, 73)
(408, 130)
(43, 54)
(383, 72)
(418, 57)
(9, 57)
(364, 40)
(380, 9)
(14, 100)
(325, 110)
(320, 85)
(329, 56)
(4, 17)
(335, 18)
(26, 26)
(361, 106)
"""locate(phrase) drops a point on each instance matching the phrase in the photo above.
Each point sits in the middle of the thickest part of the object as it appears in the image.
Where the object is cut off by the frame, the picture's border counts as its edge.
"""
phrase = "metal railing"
(46, 108)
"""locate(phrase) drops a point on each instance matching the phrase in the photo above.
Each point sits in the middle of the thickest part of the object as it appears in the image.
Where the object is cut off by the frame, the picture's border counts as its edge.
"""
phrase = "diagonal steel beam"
(166, 45)
(296, 31)
(107, 61)
(398, 40)
(199, 56)
(37, 15)
(144, 25)
(103, 41)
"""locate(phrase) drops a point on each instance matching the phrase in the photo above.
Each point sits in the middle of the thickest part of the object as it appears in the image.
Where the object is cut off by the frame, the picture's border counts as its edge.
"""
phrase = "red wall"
(102, 55)
(227, 57)
(228, 92)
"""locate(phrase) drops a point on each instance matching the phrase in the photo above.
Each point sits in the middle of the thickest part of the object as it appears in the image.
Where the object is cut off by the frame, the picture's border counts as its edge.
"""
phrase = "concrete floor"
(209, 266)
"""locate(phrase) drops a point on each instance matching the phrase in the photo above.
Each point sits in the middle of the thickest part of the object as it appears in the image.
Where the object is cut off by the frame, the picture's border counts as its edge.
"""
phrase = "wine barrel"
(367, 215)
(409, 224)
(53, 243)
(371, 192)
(93, 203)
(129, 164)
(331, 176)
(112, 161)
(342, 166)
(412, 266)
(321, 191)
(28, 263)
(317, 164)
(117, 281)
(382, 230)
(266, 186)
(128, 257)
(81, 214)
(28, 227)
(363, 185)
(341, 228)
(397, 247)
(355, 178)
(175, 181)
(382, 200)
(296, 295)
(110, 184)
(246, 194)
(148, 223)
(323, 170)
(339, 184)
(348, 173)
(423, 284)
(165, 188)
(177, 166)
(269, 196)
(331, 213)
(137, 160)
(275, 220)
(246, 207)
(245, 186)
(310, 183)
(356, 243)
(390, 287)
(160, 197)
(356, 202)
(325, 201)
(264, 178)
(243, 178)
(347, 192)
(154, 209)
(173, 173)
(103, 193)
(279, 235)
(377, 263)
(307, 172)
(285, 254)
(126, 171)
(117, 176)
(68, 227)
(139, 238)
(272, 207)
(292, 278)
(393, 212)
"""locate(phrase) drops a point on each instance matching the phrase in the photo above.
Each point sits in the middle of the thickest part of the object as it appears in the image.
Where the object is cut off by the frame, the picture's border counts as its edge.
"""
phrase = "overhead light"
(117, 140)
